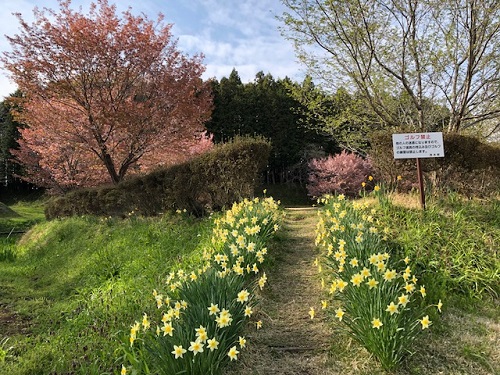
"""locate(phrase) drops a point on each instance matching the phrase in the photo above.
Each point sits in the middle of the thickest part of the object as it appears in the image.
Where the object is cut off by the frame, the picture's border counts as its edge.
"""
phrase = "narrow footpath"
(290, 342)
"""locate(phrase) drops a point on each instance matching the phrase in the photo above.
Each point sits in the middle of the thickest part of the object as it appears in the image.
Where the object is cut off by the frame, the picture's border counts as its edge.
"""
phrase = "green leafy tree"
(265, 107)
(443, 52)
(9, 134)
(340, 115)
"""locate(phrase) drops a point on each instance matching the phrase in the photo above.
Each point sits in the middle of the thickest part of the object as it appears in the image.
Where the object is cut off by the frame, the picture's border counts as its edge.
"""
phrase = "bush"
(470, 167)
(227, 173)
(342, 174)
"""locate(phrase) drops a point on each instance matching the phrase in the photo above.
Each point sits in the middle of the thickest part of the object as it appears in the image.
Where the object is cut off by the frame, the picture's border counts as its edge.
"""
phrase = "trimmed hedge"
(216, 179)
(470, 167)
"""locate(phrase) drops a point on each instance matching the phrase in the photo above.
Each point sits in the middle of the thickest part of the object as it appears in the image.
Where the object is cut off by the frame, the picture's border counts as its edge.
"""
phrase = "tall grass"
(455, 243)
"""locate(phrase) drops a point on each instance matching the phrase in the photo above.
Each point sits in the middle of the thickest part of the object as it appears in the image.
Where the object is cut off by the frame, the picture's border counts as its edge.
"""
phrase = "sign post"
(418, 146)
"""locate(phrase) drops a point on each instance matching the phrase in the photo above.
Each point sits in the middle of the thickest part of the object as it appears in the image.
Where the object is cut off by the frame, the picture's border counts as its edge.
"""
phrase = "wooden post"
(421, 184)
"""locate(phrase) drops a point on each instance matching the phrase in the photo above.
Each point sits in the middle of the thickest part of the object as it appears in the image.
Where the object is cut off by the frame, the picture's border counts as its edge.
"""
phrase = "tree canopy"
(443, 52)
(265, 107)
(9, 134)
(103, 95)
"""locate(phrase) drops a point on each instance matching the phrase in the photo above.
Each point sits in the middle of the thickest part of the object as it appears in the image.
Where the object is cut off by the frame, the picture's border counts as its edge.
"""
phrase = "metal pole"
(421, 184)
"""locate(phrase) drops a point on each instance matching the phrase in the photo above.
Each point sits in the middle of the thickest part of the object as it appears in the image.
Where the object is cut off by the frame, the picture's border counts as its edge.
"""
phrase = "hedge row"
(216, 179)
(470, 167)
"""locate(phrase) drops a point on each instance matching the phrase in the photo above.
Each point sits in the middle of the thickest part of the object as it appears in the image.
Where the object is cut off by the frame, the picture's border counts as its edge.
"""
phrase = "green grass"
(455, 243)
(75, 286)
(26, 214)
(70, 289)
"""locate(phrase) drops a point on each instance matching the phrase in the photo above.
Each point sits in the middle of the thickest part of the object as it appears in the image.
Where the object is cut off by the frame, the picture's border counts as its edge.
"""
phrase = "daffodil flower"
(233, 353)
(377, 323)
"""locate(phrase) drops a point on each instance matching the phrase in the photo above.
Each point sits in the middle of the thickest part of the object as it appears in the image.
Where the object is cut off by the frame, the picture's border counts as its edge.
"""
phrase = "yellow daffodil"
(341, 284)
(243, 296)
(242, 341)
(357, 279)
(123, 371)
(354, 262)
(389, 275)
(439, 305)
(233, 353)
(392, 308)
(425, 322)
(168, 329)
(376, 188)
(178, 351)
(145, 322)
(224, 319)
(365, 272)
(403, 299)
(248, 311)
(333, 287)
(422, 291)
(196, 347)
(339, 313)
(259, 324)
(212, 344)
(201, 332)
(324, 304)
(262, 281)
(409, 287)
(381, 266)
(372, 283)
(377, 323)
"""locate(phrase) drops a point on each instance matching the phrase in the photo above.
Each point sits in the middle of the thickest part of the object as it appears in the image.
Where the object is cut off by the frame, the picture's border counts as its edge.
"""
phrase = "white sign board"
(418, 145)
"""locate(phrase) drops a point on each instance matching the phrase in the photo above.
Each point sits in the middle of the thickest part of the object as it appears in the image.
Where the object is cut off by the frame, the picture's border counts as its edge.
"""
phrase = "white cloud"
(231, 34)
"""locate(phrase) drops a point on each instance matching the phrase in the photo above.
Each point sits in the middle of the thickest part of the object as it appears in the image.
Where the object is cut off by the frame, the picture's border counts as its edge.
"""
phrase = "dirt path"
(290, 342)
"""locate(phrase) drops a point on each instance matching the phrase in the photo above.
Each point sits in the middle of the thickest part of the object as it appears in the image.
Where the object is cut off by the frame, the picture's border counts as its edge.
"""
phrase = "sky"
(240, 34)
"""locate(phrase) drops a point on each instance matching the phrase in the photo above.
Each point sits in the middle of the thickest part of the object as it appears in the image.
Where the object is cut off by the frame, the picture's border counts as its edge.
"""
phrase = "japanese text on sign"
(418, 145)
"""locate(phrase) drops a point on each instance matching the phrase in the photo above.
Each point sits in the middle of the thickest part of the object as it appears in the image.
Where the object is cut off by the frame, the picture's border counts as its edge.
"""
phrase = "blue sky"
(230, 33)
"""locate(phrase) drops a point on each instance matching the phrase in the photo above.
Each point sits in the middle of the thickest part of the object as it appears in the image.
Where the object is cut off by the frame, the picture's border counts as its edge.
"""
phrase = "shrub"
(227, 173)
(342, 174)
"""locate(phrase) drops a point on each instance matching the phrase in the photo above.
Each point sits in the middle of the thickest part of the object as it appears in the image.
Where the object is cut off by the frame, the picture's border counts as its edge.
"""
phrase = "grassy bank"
(75, 284)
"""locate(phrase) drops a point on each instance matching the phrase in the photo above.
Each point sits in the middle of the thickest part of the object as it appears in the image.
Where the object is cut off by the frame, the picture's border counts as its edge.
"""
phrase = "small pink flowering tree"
(342, 174)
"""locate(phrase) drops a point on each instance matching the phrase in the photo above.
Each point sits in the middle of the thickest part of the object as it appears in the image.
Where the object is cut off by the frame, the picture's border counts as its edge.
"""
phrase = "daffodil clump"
(200, 315)
(381, 302)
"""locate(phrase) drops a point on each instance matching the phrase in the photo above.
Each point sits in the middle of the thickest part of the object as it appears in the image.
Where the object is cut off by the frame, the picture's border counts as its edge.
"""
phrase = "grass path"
(290, 342)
